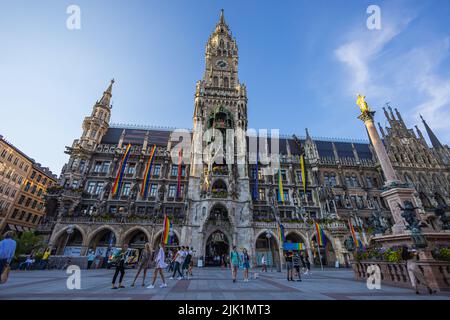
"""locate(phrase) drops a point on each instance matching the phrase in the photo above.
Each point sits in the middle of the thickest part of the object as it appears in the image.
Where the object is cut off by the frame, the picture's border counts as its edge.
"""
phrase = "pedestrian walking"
(191, 264)
(415, 274)
(288, 257)
(307, 264)
(296, 264)
(7, 251)
(245, 263)
(144, 261)
(159, 267)
(264, 263)
(234, 262)
(187, 262)
(91, 257)
(178, 259)
(302, 263)
(120, 267)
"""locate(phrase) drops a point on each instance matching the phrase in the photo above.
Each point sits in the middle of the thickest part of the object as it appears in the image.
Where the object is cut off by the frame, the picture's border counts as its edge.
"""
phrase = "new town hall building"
(215, 205)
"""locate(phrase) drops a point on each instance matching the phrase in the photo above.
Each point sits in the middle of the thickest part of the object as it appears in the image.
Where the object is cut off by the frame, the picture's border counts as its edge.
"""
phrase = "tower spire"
(222, 17)
(434, 140)
(106, 98)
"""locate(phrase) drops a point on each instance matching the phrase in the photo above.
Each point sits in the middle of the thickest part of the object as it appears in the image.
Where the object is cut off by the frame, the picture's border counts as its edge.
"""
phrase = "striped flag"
(280, 187)
(321, 240)
(167, 225)
(118, 181)
(302, 167)
(281, 236)
(148, 172)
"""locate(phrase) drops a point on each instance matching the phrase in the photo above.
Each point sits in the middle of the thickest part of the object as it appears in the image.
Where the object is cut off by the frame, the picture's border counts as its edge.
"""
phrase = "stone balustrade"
(396, 274)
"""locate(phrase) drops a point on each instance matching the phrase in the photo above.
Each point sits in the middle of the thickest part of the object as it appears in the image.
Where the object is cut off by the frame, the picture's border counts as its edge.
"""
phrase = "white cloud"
(360, 53)
(411, 77)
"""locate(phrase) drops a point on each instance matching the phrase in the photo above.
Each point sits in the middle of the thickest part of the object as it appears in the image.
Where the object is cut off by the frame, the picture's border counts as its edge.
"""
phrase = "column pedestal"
(395, 197)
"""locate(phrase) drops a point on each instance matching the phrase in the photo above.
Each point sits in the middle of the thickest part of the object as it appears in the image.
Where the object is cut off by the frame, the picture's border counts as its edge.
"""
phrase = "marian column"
(395, 193)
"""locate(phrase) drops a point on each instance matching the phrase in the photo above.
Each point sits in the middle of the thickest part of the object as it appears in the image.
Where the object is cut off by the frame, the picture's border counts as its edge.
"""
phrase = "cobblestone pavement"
(207, 283)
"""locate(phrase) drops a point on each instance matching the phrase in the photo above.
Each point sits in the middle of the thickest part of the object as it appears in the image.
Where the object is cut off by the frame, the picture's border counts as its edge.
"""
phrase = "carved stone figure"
(377, 223)
(361, 102)
(409, 214)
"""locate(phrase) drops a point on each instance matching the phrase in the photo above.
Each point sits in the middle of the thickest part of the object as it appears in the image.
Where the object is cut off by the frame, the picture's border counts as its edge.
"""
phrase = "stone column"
(395, 194)
(382, 155)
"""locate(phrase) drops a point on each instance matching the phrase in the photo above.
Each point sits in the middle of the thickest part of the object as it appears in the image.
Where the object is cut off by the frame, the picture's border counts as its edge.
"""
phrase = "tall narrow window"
(215, 81)
(225, 82)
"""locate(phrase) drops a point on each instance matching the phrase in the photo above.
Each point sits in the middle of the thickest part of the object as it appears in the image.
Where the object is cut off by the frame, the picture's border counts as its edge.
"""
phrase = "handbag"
(5, 274)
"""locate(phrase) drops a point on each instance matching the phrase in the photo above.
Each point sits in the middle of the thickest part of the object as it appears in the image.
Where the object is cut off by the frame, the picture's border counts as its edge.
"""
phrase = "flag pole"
(320, 257)
(318, 247)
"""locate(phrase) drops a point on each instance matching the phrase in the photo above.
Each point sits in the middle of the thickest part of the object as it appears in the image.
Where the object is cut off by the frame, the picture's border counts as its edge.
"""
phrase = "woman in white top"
(264, 263)
(160, 266)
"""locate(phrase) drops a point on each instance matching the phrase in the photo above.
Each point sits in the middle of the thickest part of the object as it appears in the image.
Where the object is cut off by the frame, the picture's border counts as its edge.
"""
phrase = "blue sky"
(303, 63)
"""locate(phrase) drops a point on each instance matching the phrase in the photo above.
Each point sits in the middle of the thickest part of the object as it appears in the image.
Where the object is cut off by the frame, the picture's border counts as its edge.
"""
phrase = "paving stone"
(208, 283)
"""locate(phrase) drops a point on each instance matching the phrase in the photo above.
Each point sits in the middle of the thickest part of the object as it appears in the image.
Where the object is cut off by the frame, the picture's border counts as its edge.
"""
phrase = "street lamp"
(70, 230)
(268, 236)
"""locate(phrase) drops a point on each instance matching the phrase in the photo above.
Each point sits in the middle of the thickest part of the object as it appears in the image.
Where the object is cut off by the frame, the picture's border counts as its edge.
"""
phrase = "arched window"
(215, 81)
(326, 179)
(333, 181)
(355, 182)
(225, 82)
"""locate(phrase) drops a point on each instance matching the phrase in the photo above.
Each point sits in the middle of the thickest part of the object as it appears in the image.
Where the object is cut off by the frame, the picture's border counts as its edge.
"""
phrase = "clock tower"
(218, 194)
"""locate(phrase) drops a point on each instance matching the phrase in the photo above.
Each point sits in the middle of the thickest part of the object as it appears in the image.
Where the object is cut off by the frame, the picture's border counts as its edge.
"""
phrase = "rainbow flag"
(281, 236)
(321, 240)
(118, 181)
(356, 240)
(295, 246)
(167, 225)
(302, 167)
(148, 172)
(280, 187)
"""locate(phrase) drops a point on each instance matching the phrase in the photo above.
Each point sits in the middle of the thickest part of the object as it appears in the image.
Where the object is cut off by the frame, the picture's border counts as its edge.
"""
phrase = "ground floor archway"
(217, 249)
(69, 243)
(102, 241)
(267, 245)
(326, 252)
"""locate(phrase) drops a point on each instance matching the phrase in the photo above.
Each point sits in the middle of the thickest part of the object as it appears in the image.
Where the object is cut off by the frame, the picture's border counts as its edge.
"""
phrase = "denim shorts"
(289, 265)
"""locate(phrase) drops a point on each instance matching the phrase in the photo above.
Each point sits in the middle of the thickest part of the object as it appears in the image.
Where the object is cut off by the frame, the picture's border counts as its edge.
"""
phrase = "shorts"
(289, 265)
(297, 268)
(246, 265)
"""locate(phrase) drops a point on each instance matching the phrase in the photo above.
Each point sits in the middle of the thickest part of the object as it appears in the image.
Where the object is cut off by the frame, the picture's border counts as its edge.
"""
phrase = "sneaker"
(163, 285)
(150, 286)
(179, 278)
(171, 278)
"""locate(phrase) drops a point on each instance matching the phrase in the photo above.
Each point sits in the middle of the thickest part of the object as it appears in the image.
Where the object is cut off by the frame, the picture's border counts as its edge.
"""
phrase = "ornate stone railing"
(437, 273)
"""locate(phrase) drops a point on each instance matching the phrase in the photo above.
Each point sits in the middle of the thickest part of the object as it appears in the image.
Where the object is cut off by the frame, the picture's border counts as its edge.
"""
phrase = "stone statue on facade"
(409, 214)
(377, 222)
(440, 211)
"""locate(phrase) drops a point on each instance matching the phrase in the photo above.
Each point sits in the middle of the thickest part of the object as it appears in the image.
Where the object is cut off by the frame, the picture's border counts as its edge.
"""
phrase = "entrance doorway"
(217, 249)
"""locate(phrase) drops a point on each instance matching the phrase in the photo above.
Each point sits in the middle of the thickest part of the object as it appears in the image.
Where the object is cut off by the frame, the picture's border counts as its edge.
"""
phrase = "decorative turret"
(96, 125)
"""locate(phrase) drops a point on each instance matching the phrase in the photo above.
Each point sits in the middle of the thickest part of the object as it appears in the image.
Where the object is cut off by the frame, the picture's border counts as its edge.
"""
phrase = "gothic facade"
(216, 204)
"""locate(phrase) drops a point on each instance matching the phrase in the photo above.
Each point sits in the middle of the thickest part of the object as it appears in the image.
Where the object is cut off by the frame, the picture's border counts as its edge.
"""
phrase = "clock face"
(221, 64)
